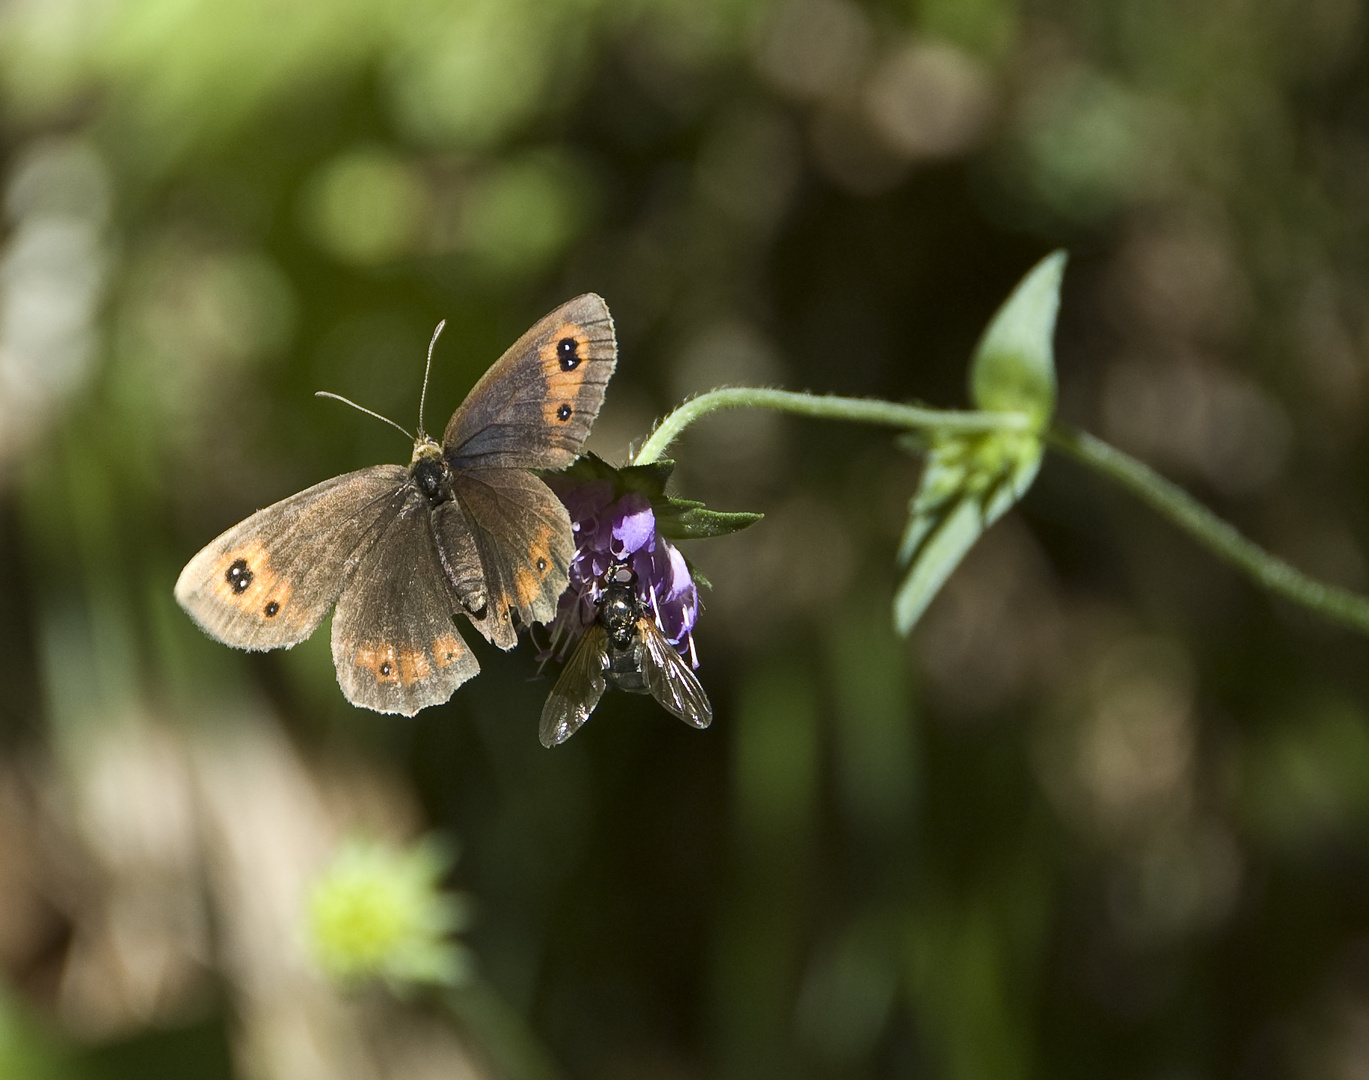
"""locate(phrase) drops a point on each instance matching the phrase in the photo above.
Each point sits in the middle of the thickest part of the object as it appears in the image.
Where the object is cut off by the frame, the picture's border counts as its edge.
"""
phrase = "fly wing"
(577, 690)
(668, 677)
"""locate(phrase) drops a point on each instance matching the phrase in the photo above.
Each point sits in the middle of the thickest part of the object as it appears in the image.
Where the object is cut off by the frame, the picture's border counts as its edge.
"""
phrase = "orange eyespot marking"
(563, 364)
(528, 578)
(559, 407)
(414, 667)
(446, 649)
(380, 661)
(526, 585)
(243, 578)
(540, 549)
(566, 349)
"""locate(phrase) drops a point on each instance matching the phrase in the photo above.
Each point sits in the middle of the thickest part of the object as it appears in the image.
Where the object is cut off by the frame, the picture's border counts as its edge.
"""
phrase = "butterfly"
(625, 648)
(464, 527)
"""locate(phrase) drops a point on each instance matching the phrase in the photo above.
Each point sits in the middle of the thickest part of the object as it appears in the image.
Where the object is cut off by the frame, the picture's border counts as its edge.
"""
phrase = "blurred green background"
(1105, 814)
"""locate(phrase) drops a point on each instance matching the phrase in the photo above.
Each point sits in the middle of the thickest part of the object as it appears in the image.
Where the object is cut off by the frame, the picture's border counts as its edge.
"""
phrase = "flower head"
(613, 529)
(377, 912)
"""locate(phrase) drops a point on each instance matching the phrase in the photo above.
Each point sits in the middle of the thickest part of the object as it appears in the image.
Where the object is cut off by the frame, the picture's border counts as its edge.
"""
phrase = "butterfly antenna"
(423, 397)
(362, 408)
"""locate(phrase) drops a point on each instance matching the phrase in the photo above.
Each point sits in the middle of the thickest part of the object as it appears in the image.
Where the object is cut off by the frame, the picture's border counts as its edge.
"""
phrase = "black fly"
(624, 648)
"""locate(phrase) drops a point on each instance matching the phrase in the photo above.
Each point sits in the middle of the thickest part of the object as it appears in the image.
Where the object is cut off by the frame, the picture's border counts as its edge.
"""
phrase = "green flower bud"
(380, 913)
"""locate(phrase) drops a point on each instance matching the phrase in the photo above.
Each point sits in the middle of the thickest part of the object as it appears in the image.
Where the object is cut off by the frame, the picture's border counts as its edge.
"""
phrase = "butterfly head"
(429, 472)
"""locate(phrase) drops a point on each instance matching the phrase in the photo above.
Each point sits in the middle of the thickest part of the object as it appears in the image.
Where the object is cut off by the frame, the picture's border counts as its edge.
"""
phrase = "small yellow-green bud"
(380, 913)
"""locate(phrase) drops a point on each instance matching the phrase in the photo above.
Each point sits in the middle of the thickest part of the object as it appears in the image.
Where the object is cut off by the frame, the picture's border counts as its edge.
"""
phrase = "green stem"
(1211, 531)
(825, 407)
(1168, 499)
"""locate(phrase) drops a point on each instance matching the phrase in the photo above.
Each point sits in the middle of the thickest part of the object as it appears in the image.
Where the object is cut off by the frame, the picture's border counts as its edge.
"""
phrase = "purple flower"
(622, 531)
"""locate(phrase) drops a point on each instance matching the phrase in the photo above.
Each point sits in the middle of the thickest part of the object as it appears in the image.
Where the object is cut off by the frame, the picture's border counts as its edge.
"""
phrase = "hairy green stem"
(1211, 531)
(824, 407)
(1153, 489)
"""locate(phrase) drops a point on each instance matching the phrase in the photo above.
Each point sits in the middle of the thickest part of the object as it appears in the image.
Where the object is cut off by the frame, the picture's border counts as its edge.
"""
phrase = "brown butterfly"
(465, 527)
(625, 648)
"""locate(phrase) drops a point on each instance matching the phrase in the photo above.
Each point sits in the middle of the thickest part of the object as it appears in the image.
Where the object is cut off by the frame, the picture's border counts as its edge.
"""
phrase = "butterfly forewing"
(395, 646)
(668, 677)
(578, 688)
(534, 408)
(267, 582)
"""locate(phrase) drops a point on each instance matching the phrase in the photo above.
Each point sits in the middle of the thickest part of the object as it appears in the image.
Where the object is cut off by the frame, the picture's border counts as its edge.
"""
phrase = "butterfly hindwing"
(522, 533)
(395, 645)
(267, 582)
(534, 408)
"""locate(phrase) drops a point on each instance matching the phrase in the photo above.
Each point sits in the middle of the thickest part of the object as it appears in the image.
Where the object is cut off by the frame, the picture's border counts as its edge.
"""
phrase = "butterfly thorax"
(429, 471)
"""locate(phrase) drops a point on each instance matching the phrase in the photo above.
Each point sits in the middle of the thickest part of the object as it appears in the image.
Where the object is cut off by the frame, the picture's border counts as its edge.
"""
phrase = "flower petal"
(679, 581)
(634, 525)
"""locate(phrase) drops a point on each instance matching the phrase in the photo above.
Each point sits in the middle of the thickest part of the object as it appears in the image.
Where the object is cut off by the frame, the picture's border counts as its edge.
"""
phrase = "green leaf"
(968, 483)
(680, 520)
(1013, 369)
(650, 480)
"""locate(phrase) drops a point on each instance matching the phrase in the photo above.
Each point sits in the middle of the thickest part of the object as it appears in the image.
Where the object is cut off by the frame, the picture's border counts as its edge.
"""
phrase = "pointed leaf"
(697, 522)
(945, 543)
(650, 480)
(1013, 369)
(969, 482)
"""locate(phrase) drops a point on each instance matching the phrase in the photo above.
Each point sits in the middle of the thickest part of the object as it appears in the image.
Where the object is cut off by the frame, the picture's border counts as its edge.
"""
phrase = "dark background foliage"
(1104, 814)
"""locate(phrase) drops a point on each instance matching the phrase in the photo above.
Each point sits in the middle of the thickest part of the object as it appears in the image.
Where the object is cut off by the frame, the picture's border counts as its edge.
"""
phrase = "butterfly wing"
(395, 646)
(577, 690)
(267, 582)
(523, 536)
(533, 409)
(668, 677)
